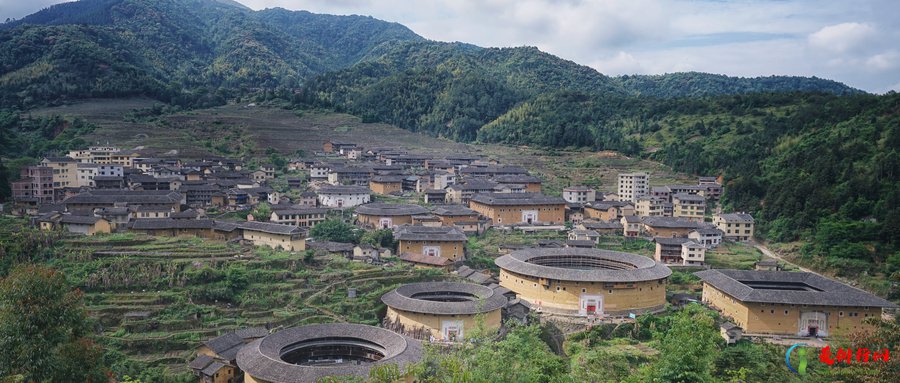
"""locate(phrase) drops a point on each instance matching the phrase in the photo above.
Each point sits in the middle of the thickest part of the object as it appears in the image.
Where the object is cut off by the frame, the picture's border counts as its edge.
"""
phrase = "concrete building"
(579, 194)
(679, 251)
(442, 311)
(735, 227)
(789, 303)
(689, 206)
(65, 171)
(706, 236)
(650, 206)
(633, 185)
(35, 182)
(585, 282)
(519, 208)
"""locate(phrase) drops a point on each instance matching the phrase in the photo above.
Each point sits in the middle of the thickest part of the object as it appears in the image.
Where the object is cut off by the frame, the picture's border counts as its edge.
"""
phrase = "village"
(434, 206)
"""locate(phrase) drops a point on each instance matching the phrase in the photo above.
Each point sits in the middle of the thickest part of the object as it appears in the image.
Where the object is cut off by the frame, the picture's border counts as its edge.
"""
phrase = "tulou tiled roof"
(415, 297)
(821, 292)
(611, 266)
(261, 359)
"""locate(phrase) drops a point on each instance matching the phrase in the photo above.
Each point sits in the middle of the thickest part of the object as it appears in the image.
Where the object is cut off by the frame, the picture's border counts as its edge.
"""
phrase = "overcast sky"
(856, 42)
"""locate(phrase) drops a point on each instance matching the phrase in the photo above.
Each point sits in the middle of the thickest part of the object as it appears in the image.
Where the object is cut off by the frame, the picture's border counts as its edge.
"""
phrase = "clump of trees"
(335, 230)
(44, 331)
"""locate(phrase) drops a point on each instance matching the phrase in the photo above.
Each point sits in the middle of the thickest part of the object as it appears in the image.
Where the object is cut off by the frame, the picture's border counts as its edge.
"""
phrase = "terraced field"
(243, 131)
(156, 299)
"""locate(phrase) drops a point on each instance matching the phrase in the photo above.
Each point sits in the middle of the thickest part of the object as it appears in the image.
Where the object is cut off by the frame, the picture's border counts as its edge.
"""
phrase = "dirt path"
(771, 254)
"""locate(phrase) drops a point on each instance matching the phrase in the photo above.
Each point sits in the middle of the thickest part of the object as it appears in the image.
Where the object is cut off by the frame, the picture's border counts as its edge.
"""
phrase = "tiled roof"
(409, 298)
(670, 223)
(168, 223)
(79, 219)
(386, 209)
(425, 259)
(429, 233)
(272, 228)
(512, 199)
(621, 267)
(737, 217)
(343, 189)
(830, 292)
(453, 211)
(261, 359)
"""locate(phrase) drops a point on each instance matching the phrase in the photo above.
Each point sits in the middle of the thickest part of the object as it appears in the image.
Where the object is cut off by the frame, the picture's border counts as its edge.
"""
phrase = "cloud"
(844, 37)
(16, 9)
(621, 63)
(883, 61)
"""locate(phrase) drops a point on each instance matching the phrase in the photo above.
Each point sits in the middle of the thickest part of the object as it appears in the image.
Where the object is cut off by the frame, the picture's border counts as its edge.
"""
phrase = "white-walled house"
(343, 196)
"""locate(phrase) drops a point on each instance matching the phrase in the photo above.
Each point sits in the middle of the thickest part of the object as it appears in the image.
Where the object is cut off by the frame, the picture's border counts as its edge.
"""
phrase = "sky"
(855, 42)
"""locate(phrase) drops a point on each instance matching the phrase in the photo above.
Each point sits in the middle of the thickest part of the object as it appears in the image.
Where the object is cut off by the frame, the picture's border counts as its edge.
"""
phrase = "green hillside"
(189, 52)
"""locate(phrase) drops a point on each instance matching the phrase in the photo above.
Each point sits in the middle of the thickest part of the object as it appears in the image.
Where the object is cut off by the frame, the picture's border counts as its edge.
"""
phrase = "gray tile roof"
(669, 222)
(513, 199)
(387, 210)
(78, 219)
(737, 217)
(453, 211)
(602, 225)
(612, 266)
(200, 362)
(213, 368)
(261, 359)
(832, 293)
(429, 233)
(271, 228)
(343, 189)
(414, 297)
(168, 223)
(125, 196)
(670, 241)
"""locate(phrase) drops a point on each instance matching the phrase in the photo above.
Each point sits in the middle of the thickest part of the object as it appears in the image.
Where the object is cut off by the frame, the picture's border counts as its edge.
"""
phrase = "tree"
(262, 212)
(5, 191)
(380, 238)
(687, 348)
(43, 329)
(335, 230)
(519, 357)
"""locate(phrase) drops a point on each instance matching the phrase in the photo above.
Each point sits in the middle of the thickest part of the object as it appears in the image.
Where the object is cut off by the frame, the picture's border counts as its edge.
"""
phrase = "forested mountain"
(695, 84)
(191, 52)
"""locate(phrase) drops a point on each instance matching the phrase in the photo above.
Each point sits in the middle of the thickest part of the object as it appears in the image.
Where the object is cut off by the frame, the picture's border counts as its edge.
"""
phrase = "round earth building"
(443, 311)
(310, 353)
(585, 282)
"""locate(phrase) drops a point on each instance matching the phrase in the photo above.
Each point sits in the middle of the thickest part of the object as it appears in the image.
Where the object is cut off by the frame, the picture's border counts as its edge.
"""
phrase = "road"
(769, 253)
